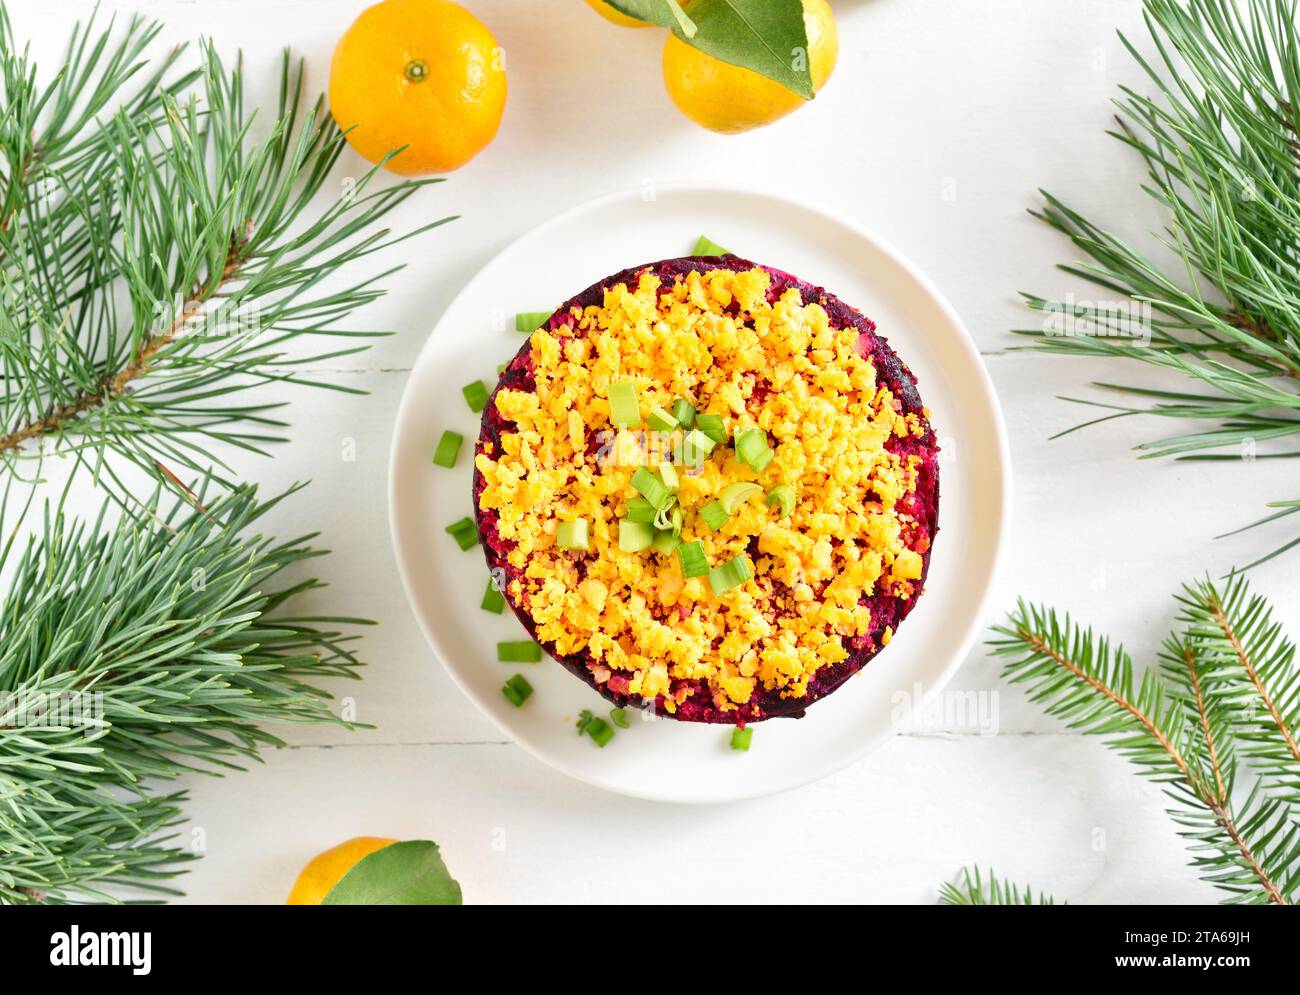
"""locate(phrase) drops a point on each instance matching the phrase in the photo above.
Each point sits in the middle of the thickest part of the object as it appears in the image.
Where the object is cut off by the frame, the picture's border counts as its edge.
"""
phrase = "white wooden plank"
(939, 124)
(1048, 809)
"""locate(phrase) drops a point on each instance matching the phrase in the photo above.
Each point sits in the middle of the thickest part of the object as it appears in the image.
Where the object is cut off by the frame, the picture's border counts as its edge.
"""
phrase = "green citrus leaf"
(407, 873)
(665, 13)
(767, 36)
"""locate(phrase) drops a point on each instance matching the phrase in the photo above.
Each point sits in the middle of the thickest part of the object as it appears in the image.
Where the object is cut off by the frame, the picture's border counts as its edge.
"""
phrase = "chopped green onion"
(712, 426)
(694, 562)
(584, 720)
(624, 408)
(731, 574)
(660, 420)
(714, 515)
(517, 690)
(781, 495)
(530, 321)
(493, 600)
(707, 247)
(465, 532)
(684, 413)
(572, 535)
(668, 474)
(665, 542)
(651, 487)
(752, 448)
(599, 731)
(675, 522)
(448, 449)
(640, 510)
(734, 495)
(635, 536)
(663, 517)
(741, 738)
(476, 395)
(519, 651)
(619, 717)
(696, 448)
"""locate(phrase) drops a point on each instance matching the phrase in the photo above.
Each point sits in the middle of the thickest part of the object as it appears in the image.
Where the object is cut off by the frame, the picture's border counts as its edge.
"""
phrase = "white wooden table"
(939, 124)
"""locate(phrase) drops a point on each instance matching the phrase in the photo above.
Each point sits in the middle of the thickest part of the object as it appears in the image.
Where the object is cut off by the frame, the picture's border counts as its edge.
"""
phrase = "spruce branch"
(172, 262)
(972, 888)
(1219, 138)
(1185, 669)
(1253, 676)
(1175, 728)
(131, 653)
(1091, 686)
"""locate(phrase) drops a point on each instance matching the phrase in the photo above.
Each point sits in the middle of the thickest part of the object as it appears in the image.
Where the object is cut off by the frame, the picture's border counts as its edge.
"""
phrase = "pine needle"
(131, 653)
(1220, 138)
(157, 263)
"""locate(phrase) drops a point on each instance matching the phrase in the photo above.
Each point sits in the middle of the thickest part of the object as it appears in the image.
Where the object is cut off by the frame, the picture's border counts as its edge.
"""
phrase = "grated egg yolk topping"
(715, 340)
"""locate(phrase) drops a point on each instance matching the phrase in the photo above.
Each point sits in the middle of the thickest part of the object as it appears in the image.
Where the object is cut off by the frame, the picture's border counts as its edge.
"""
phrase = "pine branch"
(133, 652)
(54, 127)
(1177, 736)
(1219, 139)
(971, 888)
(172, 263)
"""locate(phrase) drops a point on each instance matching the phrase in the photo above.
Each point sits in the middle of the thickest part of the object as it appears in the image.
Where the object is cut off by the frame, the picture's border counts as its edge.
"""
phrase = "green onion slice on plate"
(635, 536)
(572, 535)
(519, 651)
(714, 515)
(476, 395)
(660, 420)
(448, 449)
(530, 321)
(693, 560)
(781, 497)
(684, 413)
(729, 575)
(624, 408)
(517, 690)
(734, 495)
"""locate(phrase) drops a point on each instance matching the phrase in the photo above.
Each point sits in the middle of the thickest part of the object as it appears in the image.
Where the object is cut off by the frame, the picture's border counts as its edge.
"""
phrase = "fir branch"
(174, 263)
(972, 888)
(1185, 668)
(1253, 675)
(1176, 734)
(1090, 686)
(1219, 139)
(133, 652)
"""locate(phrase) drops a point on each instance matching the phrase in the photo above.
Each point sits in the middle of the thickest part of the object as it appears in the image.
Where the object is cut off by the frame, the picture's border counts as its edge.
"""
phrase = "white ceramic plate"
(663, 759)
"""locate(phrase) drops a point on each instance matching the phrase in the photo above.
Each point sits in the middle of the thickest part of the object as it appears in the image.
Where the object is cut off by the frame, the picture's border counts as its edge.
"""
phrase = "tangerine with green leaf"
(730, 99)
(616, 16)
(326, 869)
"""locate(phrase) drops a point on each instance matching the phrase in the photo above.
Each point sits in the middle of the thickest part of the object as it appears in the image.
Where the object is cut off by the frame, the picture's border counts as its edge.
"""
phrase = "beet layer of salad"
(710, 488)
